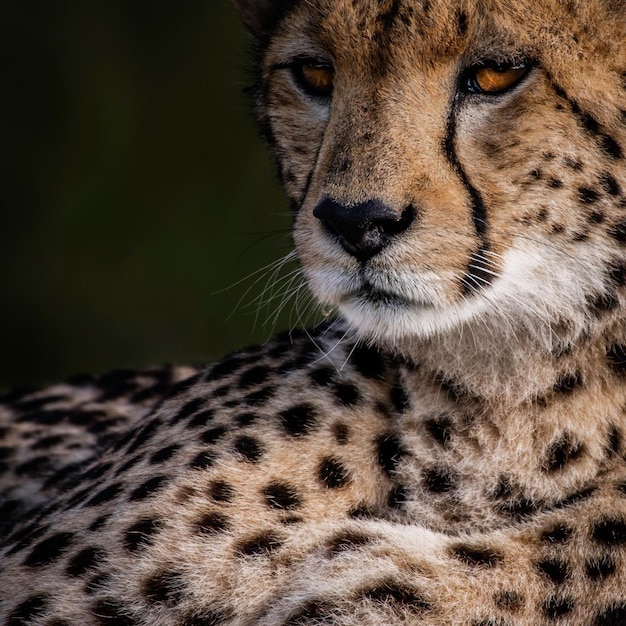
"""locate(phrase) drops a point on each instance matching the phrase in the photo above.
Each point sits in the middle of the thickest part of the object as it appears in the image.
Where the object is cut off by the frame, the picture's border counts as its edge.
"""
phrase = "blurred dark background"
(133, 187)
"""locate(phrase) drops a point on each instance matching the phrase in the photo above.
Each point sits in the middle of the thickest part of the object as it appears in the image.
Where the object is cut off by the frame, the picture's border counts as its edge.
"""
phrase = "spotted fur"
(449, 450)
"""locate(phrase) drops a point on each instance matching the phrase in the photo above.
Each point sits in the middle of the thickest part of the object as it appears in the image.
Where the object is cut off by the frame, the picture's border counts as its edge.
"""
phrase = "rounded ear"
(260, 16)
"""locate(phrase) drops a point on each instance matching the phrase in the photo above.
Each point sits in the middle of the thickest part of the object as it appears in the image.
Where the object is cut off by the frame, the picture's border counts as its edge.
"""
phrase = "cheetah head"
(453, 166)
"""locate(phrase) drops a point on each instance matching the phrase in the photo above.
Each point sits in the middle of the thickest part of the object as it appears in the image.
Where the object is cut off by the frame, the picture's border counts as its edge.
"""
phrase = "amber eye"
(493, 80)
(314, 77)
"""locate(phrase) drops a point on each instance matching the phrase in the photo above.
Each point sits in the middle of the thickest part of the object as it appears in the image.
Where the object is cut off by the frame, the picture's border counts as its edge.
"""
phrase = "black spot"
(222, 391)
(281, 496)
(555, 607)
(189, 408)
(221, 491)
(27, 406)
(144, 435)
(587, 195)
(368, 362)
(86, 559)
(257, 398)
(96, 472)
(263, 543)
(389, 452)
(164, 454)
(28, 611)
(400, 399)
(476, 556)
(614, 440)
(509, 600)
(609, 531)
(312, 613)
(440, 429)
(454, 390)
(246, 419)
(141, 534)
(392, 594)
(617, 274)
(398, 497)
(333, 473)
(610, 185)
(254, 376)
(341, 433)
(213, 523)
(166, 587)
(105, 495)
(601, 567)
(559, 533)
(491, 621)
(322, 376)
(618, 231)
(103, 426)
(201, 419)
(34, 467)
(614, 615)
(97, 583)
(575, 498)
(556, 570)
(347, 394)
(212, 435)
(48, 550)
(603, 303)
(131, 462)
(225, 368)
(567, 383)
(616, 355)
(555, 183)
(462, 24)
(203, 460)
(46, 418)
(99, 522)
(610, 147)
(47, 442)
(25, 537)
(249, 448)
(79, 496)
(561, 452)
(148, 488)
(109, 612)
(439, 479)
(346, 541)
(298, 420)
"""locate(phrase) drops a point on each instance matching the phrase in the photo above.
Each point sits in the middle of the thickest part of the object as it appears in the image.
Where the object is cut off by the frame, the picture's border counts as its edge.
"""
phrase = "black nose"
(364, 229)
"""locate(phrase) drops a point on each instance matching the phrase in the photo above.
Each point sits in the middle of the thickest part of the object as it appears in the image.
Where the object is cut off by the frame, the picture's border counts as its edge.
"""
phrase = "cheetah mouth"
(368, 294)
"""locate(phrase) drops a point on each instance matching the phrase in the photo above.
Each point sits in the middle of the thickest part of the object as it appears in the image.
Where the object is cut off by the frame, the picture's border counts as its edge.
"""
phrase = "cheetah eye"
(495, 79)
(314, 77)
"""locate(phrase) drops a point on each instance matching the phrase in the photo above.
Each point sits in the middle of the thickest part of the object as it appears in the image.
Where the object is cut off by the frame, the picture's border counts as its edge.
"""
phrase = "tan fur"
(448, 451)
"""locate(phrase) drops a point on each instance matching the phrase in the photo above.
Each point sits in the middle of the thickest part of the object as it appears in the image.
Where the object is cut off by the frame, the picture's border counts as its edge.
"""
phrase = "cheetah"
(447, 447)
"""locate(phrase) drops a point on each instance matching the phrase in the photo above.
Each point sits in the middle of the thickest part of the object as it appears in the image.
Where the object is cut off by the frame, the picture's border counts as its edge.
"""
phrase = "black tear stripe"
(478, 274)
(606, 142)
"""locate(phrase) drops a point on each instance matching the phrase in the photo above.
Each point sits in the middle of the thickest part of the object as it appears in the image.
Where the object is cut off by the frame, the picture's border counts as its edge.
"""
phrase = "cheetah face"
(448, 163)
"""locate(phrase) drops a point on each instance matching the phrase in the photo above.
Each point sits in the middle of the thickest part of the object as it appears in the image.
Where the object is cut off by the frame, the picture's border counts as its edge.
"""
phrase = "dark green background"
(133, 186)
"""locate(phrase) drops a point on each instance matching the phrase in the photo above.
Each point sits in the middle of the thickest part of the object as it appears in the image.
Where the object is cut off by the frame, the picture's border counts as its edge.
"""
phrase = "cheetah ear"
(261, 16)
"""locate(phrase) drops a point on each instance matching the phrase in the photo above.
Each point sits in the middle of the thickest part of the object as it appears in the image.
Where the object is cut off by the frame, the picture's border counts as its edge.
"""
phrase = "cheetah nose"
(364, 229)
